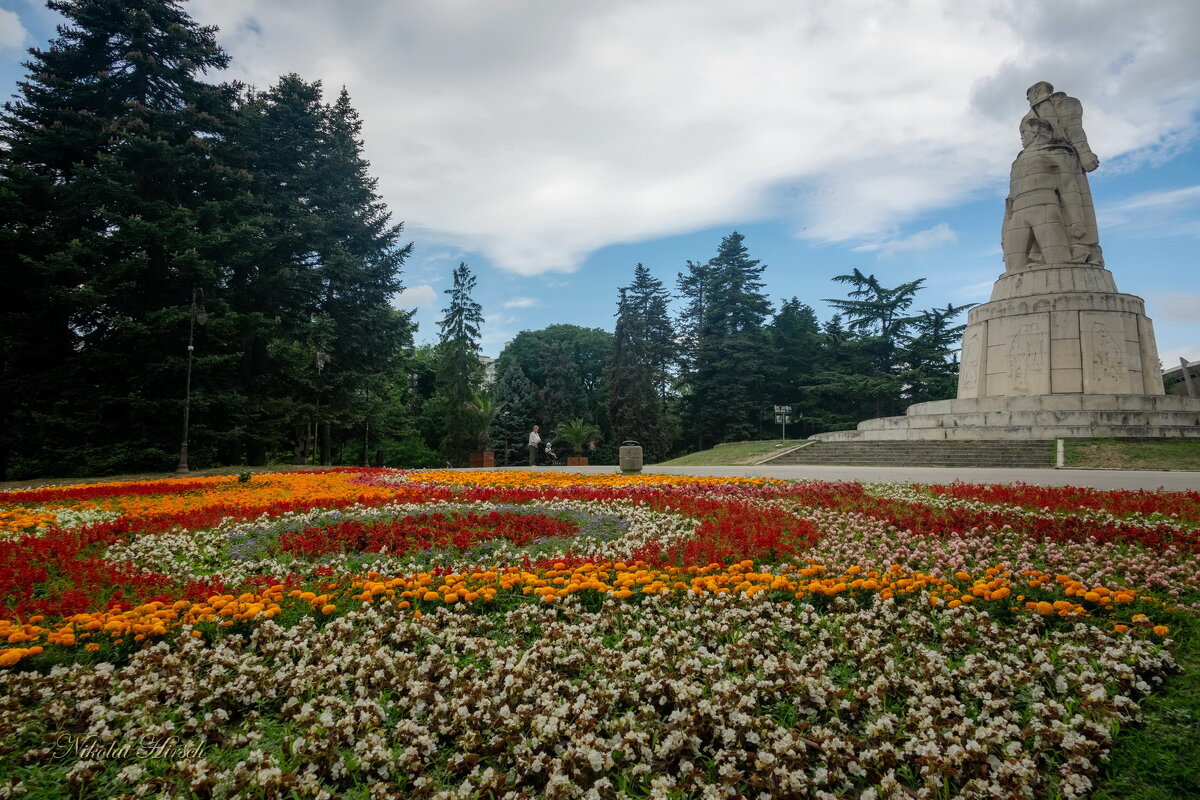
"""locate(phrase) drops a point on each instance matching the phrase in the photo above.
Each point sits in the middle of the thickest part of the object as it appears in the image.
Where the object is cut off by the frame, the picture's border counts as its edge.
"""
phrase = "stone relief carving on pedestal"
(1108, 354)
(969, 370)
(1026, 358)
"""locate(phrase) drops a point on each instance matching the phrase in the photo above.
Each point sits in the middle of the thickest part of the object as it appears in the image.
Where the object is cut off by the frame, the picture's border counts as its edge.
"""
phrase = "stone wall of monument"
(1059, 330)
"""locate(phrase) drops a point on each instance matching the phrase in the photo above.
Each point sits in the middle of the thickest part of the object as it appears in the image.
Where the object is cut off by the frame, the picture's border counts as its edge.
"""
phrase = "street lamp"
(319, 439)
(195, 316)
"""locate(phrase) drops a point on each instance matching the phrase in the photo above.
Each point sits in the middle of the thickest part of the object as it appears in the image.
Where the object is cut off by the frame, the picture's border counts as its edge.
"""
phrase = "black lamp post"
(182, 467)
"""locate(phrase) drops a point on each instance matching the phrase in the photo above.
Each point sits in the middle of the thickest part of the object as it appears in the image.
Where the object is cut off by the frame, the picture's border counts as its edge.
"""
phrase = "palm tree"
(482, 411)
(577, 433)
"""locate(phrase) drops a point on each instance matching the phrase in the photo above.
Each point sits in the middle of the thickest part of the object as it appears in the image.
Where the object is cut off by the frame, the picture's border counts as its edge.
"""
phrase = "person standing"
(535, 441)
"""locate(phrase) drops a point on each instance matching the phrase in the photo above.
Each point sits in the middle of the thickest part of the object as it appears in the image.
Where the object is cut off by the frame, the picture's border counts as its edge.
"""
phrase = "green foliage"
(729, 383)
(519, 405)
(926, 354)
(410, 453)
(563, 394)
(459, 372)
(589, 348)
(129, 184)
(637, 376)
(110, 212)
(796, 355)
(481, 414)
(577, 433)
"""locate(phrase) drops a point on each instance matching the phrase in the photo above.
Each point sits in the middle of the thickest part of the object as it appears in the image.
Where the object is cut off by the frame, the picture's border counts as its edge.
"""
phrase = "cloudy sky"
(553, 145)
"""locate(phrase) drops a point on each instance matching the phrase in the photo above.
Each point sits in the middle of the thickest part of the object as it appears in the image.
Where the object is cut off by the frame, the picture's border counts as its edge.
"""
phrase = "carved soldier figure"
(1065, 118)
(1037, 228)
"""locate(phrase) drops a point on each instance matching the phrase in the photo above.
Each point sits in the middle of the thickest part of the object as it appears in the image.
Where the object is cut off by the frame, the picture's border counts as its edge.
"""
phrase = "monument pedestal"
(1057, 352)
(1062, 329)
(1061, 416)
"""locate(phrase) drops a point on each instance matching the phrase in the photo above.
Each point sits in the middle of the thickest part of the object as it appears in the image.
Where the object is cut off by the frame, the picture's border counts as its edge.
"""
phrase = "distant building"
(489, 370)
(1176, 382)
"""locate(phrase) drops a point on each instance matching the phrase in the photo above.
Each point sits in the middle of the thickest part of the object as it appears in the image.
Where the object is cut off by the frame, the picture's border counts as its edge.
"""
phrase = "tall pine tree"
(732, 355)
(459, 371)
(510, 431)
(318, 276)
(692, 286)
(635, 406)
(111, 188)
(564, 397)
(796, 355)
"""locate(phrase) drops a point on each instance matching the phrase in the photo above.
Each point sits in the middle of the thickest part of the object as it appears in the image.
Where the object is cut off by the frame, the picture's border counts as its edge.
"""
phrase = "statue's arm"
(1071, 116)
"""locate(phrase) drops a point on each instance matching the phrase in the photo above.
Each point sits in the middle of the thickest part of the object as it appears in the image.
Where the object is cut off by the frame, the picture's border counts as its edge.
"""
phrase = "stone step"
(924, 453)
(1041, 417)
(1015, 432)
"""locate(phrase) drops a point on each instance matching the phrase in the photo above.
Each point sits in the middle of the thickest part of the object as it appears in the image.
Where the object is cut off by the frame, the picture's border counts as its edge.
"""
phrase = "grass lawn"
(1160, 758)
(1133, 454)
(733, 454)
(1170, 454)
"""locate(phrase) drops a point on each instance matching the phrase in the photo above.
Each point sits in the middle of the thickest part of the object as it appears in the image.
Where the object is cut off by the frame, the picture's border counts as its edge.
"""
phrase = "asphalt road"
(1094, 478)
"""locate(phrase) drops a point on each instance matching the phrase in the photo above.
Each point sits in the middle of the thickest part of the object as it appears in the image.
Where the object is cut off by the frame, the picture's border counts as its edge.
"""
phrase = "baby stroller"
(549, 457)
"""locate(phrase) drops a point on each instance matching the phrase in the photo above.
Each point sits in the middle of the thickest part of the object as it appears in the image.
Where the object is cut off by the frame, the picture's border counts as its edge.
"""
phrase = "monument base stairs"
(1054, 416)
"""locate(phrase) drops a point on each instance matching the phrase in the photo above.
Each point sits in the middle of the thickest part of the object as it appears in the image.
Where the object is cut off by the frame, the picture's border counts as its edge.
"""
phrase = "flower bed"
(462, 634)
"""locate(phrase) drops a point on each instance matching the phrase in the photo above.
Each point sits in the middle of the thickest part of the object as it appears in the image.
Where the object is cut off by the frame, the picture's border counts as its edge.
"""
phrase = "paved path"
(1094, 478)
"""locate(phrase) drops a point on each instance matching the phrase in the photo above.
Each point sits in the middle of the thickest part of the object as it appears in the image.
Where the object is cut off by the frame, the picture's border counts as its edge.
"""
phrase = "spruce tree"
(459, 371)
(112, 186)
(796, 356)
(358, 270)
(648, 300)
(732, 354)
(318, 277)
(563, 394)
(693, 290)
(635, 407)
(510, 431)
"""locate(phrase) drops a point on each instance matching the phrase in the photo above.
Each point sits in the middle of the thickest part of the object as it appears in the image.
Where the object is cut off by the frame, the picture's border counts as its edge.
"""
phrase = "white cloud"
(1182, 307)
(1167, 212)
(538, 132)
(520, 302)
(423, 296)
(1170, 356)
(978, 292)
(928, 239)
(12, 32)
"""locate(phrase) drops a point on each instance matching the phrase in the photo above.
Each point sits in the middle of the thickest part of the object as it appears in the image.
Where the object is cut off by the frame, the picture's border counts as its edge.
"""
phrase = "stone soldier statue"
(1053, 128)
(1036, 229)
